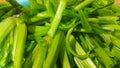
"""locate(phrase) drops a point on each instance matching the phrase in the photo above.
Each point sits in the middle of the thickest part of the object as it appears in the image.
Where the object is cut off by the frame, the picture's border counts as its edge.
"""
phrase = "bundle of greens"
(60, 34)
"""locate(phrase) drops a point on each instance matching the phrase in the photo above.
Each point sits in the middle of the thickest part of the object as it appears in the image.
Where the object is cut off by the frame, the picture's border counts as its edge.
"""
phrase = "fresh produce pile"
(60, 34)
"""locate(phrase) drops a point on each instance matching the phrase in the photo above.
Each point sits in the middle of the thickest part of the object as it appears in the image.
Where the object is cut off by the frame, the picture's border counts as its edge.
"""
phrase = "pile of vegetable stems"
(60, 34)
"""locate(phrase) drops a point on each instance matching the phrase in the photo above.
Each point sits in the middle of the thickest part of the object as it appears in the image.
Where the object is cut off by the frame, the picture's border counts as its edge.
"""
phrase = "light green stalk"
(57, 18)
(20, 44)
(6, 26)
